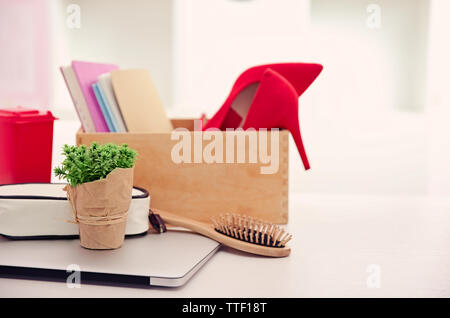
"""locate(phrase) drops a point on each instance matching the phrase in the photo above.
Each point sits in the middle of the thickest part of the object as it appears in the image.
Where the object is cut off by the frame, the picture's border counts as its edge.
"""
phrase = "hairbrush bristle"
(251, 230)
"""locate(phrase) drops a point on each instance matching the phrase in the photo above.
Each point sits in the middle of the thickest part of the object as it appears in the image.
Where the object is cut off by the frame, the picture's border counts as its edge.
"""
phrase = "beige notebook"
(139, 102)
(78, 99)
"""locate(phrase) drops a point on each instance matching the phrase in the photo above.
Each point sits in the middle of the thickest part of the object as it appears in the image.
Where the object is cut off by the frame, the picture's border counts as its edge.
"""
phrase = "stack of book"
(108, 99)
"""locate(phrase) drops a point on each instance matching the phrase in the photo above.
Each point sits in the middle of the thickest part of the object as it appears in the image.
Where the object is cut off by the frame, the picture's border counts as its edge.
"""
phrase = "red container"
(26, 139)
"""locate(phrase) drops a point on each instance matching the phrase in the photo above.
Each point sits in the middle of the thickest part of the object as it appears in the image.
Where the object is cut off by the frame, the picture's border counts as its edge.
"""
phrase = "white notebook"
(104, 81)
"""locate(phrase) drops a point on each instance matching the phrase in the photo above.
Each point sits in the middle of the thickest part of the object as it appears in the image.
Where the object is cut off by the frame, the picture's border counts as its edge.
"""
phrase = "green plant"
(85, 164)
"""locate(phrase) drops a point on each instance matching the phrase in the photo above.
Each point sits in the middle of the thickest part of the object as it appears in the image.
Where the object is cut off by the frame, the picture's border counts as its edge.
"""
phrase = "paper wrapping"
(100, 208)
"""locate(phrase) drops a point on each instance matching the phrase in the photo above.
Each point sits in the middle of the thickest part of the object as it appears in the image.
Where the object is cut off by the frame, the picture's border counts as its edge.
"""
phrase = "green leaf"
(85, 164)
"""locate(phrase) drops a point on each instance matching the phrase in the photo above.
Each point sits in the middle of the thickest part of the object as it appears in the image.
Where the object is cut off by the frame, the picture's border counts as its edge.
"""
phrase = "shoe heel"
(295, 132)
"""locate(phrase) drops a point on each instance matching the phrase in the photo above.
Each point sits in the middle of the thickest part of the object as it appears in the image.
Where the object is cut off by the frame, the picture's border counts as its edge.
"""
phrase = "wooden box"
(201, 189)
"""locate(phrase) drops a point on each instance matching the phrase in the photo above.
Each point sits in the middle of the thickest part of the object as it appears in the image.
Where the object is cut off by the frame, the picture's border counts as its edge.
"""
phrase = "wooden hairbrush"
(237, 231)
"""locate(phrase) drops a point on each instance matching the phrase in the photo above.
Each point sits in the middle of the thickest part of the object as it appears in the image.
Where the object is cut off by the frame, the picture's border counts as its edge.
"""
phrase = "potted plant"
(100, 189)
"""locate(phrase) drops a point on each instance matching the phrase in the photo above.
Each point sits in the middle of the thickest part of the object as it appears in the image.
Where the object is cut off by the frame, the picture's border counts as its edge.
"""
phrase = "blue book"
(109, 118)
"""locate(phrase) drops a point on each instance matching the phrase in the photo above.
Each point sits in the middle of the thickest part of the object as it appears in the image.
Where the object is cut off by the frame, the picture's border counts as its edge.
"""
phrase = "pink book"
(87, 74)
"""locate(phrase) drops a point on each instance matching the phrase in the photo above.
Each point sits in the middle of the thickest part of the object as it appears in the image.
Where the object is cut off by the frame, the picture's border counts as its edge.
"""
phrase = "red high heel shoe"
(266, 96)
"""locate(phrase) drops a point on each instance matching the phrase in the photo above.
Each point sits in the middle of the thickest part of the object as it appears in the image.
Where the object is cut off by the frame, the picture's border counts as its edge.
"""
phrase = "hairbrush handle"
(209, 231)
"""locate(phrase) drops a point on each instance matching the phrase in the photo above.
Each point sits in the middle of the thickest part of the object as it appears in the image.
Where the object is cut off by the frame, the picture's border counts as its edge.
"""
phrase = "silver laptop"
(169, 259)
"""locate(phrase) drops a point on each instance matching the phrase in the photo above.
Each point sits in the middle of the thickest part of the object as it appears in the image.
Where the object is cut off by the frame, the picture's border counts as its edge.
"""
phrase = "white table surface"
(336, 240)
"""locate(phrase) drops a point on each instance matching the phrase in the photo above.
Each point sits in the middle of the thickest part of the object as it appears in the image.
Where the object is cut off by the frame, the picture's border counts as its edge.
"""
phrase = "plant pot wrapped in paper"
(100, 191)
(100, 209)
